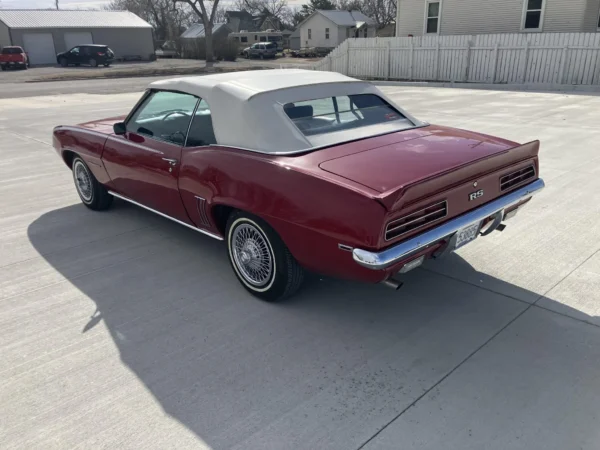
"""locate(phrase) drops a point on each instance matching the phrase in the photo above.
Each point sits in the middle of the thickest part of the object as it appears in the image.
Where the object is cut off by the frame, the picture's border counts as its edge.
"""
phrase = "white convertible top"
(247, 107)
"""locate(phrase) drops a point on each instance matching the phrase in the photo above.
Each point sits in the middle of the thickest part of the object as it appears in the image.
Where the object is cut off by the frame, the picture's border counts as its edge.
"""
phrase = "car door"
(254, 50)
(144, 163)
(73, 55)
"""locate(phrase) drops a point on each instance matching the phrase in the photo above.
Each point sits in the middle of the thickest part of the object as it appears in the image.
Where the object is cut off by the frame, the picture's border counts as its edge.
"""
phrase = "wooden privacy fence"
(526, 58)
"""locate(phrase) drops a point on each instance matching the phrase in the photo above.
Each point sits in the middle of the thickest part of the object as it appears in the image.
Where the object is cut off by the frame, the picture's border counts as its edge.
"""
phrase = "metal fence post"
(495, 66)
(410, 66)
(525, 61)
(389, 60)
(563, 64)
(437, 60)
(347, 57)
(468, 63)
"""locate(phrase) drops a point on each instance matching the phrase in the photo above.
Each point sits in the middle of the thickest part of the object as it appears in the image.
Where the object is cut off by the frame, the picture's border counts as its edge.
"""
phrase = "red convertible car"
(300, 170)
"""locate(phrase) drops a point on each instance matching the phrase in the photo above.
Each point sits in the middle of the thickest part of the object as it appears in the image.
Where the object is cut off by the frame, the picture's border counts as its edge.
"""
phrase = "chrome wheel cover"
(83, 181)
(252, 254)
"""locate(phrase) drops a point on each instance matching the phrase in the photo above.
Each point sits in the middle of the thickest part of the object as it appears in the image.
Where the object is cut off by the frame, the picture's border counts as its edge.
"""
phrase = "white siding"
(317, 25)
(592, 12)
(491, 16)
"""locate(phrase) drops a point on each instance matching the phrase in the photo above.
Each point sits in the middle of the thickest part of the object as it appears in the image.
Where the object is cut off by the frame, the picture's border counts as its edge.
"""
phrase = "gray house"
(44, 33)
(451, 17)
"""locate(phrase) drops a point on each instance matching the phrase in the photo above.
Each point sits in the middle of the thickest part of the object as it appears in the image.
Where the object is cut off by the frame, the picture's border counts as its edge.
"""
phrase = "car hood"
(434, 151)
(102, 125)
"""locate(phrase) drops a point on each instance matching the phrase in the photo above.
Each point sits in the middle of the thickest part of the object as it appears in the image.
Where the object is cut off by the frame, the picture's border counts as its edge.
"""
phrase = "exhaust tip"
(391, 283)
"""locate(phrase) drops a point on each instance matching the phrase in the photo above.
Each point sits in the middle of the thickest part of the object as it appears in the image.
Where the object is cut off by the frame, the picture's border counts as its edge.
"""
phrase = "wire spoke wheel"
(83, 181)
(252, 255)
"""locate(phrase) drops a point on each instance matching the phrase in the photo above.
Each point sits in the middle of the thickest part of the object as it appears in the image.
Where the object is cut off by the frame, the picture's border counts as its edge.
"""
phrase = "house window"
(533, 14)
(365, 32)
(255, 37)
(263, 39)
(326, 33)
(309, 34)
(432, 18)
(244, 38)
(347, 32)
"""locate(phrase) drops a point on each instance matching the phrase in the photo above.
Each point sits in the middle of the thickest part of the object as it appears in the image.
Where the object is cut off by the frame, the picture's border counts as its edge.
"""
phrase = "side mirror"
(119, 128)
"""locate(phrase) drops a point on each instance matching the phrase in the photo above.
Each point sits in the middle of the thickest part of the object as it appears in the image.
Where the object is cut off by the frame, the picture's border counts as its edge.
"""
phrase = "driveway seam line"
(510, 322)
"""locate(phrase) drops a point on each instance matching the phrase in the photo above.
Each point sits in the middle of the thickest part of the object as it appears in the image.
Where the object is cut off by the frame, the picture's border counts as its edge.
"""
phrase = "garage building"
(44, 33)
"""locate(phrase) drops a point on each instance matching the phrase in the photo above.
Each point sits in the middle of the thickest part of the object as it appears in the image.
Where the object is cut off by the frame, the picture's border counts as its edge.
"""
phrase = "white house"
(329, 28)
(451, 17)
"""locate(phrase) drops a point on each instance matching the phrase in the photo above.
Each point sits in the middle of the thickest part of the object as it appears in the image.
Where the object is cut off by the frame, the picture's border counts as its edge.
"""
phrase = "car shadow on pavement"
(325, 369)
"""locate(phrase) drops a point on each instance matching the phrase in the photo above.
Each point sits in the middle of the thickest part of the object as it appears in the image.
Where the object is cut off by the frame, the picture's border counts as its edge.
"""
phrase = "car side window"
(164, 115)
(85, 50)
(75, 50)
(201, 130)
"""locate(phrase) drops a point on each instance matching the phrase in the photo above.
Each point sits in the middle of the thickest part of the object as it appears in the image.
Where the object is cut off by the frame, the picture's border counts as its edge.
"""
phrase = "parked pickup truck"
(13, 57)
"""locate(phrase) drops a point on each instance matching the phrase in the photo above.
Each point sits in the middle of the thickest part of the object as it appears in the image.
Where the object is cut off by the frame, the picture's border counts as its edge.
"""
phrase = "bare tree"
(206, 10)
(167, 19)
(278, 9)
(56, 3)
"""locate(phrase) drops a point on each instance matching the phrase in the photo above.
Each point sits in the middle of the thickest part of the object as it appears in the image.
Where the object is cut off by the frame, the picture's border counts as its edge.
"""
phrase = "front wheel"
(92, 194)
(260, 259)
(63, 62)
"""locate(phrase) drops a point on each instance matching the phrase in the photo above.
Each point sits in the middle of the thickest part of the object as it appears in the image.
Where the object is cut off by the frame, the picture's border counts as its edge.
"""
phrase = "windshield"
(11, 51)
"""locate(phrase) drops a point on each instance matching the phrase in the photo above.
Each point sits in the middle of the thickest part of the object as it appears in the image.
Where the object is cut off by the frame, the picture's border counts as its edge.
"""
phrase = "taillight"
(100, 54)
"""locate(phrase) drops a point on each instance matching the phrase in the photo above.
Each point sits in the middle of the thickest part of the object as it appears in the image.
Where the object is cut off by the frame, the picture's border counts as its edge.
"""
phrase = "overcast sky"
(42, 4)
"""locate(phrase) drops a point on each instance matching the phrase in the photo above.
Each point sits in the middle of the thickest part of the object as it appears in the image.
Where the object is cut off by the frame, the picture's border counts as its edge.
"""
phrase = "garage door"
(74, 39)
(39, 48)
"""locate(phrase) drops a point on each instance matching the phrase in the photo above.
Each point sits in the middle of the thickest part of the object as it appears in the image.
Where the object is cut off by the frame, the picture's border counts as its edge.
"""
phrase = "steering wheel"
(183, 113)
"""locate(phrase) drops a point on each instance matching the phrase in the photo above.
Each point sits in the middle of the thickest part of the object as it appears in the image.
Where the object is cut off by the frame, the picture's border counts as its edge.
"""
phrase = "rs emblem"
(476, 195)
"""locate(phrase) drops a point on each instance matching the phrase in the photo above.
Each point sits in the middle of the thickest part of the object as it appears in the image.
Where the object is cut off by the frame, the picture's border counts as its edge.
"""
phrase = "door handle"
(172, 162)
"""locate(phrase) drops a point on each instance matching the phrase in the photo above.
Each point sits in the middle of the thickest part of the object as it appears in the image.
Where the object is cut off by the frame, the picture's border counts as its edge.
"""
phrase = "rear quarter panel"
(311, 215)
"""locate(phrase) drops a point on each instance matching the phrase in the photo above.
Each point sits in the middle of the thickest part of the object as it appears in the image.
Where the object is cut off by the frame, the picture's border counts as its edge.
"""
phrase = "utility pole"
(56, 4)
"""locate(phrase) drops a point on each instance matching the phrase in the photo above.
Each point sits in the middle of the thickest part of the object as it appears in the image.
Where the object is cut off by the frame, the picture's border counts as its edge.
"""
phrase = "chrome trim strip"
(386, 258)
(208, 233)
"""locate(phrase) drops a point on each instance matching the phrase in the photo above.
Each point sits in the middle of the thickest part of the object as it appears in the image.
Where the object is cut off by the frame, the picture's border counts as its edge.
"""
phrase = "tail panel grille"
(415, 220)
(516, 178)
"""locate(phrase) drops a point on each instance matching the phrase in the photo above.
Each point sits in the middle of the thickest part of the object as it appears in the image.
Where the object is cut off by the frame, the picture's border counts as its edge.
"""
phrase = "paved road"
(123, 330)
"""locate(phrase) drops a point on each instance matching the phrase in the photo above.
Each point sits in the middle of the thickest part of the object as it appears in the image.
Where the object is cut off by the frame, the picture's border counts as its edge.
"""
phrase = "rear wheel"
(93, 62)
(260, 259)
(92, 194)
(262, 56)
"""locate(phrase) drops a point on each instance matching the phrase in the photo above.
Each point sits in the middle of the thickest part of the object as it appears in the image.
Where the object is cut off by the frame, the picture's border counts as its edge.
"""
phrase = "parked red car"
(301, 170)
(13, 58)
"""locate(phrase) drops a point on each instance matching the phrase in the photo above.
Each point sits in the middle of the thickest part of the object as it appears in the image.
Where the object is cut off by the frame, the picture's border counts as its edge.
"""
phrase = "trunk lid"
(408, 170)
(403, 163)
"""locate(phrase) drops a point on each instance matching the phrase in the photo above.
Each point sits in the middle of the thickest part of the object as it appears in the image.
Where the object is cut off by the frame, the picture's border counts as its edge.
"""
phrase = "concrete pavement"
(123, 330)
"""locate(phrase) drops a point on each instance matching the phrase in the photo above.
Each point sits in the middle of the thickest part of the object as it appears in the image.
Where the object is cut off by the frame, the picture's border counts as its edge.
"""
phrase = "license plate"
(467, 234)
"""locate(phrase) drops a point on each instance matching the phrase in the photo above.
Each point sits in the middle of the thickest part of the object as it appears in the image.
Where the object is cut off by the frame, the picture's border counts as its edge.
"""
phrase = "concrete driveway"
(123, 330)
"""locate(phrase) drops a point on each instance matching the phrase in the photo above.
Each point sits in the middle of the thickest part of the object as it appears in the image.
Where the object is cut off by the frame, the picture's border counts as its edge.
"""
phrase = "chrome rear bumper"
(389, 257)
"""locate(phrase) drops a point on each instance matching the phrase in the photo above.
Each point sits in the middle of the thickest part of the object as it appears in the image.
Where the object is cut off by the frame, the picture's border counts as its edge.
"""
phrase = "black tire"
(3, 68)
(262, 56)
(246, 55)
(285, 275)
(107, 65)
(63, 62)
(92, 62)
(92, 194)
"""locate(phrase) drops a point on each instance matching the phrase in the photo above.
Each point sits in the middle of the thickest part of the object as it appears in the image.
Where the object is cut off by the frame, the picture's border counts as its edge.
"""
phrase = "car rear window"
(12, 51)
(331, 114)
